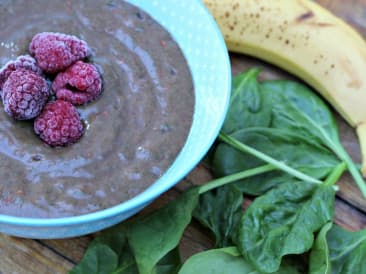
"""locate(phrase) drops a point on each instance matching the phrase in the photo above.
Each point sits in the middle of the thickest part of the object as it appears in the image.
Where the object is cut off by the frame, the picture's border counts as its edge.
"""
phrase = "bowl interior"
(204, 49)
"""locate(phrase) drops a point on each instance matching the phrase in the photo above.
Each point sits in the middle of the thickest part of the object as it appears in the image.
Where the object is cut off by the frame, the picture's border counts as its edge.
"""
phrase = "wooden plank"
(198, 176)
(349, 217)
(28, 256)
(195, 239)
(352, 11)
(348, 188)
(71, 249)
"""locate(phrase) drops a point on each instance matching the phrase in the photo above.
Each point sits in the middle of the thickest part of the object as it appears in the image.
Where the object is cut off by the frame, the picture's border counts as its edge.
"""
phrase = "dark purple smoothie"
(134, 130)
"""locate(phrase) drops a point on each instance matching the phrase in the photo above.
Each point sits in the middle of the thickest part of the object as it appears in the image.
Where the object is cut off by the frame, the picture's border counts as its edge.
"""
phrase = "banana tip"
(361, 133)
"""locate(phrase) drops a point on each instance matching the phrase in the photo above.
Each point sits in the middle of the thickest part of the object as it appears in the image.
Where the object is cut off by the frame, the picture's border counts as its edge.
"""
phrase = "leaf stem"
(235, 177)
(337, 147)
(352, 168)
(279, 165)
(336, 174)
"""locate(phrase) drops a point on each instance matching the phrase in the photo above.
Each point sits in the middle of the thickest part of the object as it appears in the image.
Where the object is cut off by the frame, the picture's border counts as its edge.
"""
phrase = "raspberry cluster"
(26, 88)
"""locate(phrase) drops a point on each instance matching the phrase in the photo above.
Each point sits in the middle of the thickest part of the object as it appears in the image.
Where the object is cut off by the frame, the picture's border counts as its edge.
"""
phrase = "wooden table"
(58, 256)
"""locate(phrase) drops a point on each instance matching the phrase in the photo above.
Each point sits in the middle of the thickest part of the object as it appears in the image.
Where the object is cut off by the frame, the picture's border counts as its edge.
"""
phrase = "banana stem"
(361, 133)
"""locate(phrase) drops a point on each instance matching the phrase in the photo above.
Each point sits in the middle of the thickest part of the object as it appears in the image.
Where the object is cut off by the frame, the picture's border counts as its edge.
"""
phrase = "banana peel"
(306, 40)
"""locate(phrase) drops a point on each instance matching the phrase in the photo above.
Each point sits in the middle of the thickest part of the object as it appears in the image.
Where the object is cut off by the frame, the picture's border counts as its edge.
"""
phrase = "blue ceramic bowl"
(203, 46)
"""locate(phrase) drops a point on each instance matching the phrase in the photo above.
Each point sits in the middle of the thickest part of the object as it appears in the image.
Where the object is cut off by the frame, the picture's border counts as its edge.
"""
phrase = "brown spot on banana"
(320, 24)
(305, 16)
(309, 14)
(354, 81)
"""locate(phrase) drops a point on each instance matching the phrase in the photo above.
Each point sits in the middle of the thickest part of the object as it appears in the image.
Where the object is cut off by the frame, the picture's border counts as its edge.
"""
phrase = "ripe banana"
(306, 40)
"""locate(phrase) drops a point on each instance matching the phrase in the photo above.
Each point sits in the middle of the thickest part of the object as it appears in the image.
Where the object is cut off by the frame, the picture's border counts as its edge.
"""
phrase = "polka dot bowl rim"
(204, 48)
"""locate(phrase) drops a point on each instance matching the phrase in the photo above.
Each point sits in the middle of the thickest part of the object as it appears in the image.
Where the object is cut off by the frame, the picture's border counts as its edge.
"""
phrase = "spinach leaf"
(116, 238)
(219, 210)
(282, 222)
(145, 245)
(170, 263)
(155, 235)
(108, 253)
(338, 251)
(279, 104)
(98, 259)
(220, 261)
(299, 109)
(347, 250)
(319, 262)
(248, 108)
(225, 260)
(288, 106)
(289, 148)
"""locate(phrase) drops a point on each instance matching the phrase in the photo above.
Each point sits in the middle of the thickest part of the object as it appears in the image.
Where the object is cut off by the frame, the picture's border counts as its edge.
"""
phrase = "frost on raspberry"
(59, 124)
(54, 51)
(78, 84)
(22, 62)
(24, 94)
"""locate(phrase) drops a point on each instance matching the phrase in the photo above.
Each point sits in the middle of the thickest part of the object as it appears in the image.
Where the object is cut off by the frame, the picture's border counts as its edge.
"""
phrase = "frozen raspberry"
(59, 124)
(24, 94)
(22, 62)
(54, 52)
(78, 84)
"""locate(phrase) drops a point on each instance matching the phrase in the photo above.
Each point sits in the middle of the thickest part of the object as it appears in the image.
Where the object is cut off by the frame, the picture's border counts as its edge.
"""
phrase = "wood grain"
(58, 256)
(71, 249)
(29, 256)
(351, 11)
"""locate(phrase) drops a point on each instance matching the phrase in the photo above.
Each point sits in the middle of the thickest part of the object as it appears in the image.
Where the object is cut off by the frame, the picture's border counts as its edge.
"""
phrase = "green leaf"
(338, 251)
(220, 210)
(99, 259)
(111, 245)
(289, 106)
(347, 250)
(283, 221)
(116, 238)
(170, 263)
(354, 263)
(297, 108)
(319, 262)
(217, 261)
(144, 245)
(155, 235)
(247, 107)
(224, 261)
(284, 146)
